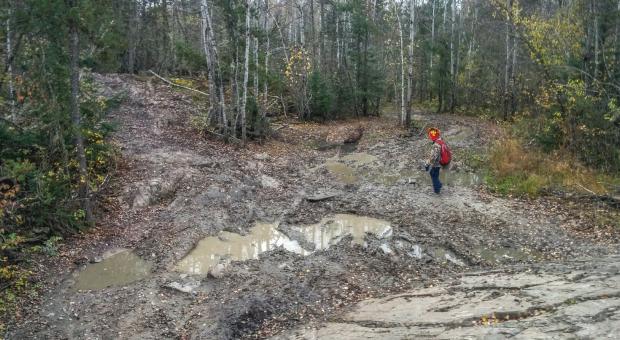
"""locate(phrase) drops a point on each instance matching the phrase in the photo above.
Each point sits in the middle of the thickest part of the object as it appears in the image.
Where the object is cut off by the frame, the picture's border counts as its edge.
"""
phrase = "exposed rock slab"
(574, 300)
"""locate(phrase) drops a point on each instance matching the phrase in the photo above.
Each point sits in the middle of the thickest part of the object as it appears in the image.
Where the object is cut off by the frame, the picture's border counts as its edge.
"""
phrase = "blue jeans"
(435, 177)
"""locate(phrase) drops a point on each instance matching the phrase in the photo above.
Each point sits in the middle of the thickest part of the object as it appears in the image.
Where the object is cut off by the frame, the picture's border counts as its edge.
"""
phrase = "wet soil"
(177, 187)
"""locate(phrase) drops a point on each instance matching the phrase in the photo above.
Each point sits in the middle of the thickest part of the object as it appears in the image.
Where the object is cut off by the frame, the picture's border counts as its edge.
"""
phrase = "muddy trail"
(206, 240)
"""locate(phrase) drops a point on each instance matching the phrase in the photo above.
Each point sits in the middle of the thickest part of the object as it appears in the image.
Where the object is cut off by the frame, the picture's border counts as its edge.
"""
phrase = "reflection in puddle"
(355, 167)
(346, 168)
(437, 253)
(501, 255)
(119, 269)
(264, 237)
(211, 250)
(331, 230)
(444, 255)
(359, 158)
(342, 172)
(451, 178)
(462, 179)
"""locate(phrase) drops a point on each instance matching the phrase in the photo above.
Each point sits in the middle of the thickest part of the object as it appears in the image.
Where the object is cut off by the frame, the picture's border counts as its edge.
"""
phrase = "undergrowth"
(514, 169)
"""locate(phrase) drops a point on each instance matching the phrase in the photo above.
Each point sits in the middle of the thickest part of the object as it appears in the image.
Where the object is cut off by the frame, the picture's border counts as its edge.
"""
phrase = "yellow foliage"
(553, 41)
(297, 67)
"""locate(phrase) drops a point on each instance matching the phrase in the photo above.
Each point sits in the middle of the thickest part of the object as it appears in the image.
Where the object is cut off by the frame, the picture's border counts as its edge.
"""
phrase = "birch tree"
(403, 103)
(412, 5)
(246, 70)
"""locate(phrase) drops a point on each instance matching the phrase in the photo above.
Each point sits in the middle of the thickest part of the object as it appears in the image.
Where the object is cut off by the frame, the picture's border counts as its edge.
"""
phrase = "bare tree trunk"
(302, 26)
(165, 43)
(76, 117)
(596, 41)
(616, 41)
(513, 71)
(313, 32)
(321, 36)
(131, 39)
(452, 60)
(432, 52)
(412, 4)
(403, 111)
(213, 99)
(256, 90)
(9, 62)
(267, 52)
(338, 41)
(246, 70)
(445, 12)
(218, 79)
(237, 90)
(508, 59)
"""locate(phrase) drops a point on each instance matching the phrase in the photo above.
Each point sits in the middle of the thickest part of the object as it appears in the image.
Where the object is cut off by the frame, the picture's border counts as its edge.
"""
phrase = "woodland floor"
(175, 186)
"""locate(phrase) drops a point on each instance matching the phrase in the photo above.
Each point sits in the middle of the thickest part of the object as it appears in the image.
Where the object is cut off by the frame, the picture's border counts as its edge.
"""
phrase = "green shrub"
(321, 98)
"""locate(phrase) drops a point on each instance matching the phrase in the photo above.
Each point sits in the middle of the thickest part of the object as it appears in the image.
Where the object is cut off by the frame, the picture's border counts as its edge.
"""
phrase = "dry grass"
(515, 169)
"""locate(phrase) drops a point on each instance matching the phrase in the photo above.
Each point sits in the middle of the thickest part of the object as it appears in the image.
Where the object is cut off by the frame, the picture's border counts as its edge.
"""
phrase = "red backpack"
(446, 154)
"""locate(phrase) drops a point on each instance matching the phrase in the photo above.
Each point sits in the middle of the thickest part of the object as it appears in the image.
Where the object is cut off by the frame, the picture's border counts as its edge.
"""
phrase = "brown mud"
(176, 186)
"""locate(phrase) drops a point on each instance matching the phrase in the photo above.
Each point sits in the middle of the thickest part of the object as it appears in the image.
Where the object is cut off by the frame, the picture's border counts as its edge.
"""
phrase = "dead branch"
(177, 85)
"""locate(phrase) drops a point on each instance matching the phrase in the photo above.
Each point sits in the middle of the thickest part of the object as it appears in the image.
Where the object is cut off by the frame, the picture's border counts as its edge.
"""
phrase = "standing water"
(331, 230)
(265, 237)
(118, 268)
(211, 250)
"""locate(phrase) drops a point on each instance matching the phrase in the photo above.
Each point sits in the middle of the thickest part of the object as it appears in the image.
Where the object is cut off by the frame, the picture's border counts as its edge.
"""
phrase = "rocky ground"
(579, 299)
(175, 186)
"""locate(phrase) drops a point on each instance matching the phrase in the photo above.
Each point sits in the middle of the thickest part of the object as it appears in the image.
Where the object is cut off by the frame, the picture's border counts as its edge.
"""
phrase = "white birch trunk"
(338, 41)
(302, 26)
(207, 51)
(131, 39)
(403, 112)
(412, 4)
(256, 90)
(246, 70)
(267, 52)
(445, 13)
(508, 58)
(212, 47)
(452, 58)
(432, 35)
(321, 37)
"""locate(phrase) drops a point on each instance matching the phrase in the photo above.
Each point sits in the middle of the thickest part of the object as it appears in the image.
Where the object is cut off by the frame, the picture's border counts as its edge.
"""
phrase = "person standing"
(438, 156)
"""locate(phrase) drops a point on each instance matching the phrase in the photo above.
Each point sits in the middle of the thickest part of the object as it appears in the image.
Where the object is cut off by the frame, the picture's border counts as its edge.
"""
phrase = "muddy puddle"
(450, 178)
(229, 246)
(118, 268)
(342, 172)
(331, 230)
(437, 253)
(354, 168)
(456, 178)
(347, 167)
(265, 237)
(506, 255)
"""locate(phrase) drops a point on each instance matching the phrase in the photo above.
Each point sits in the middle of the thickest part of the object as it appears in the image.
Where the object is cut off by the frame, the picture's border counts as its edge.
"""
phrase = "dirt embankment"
(176, 186)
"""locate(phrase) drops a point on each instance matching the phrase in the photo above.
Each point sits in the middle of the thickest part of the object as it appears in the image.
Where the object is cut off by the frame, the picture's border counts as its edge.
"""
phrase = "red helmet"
(433, 133)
